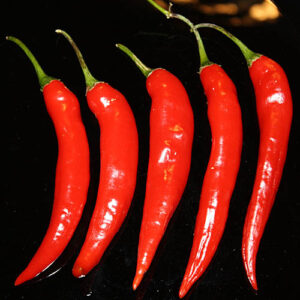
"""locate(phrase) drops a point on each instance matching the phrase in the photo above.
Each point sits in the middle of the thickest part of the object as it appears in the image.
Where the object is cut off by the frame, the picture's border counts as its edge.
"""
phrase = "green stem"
(167, 13)
(90, 80)
(204, 60)
(249, 55)
(43, 78)
(144, 69)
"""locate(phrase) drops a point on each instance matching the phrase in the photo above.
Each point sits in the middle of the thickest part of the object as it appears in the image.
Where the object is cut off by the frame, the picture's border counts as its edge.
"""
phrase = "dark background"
(31, 148)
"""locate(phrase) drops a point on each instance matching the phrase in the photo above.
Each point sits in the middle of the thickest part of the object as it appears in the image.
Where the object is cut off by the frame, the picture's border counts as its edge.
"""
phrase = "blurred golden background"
(234, 12)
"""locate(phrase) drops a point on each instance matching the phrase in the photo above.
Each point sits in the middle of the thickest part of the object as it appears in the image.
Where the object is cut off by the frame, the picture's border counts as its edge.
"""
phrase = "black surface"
(31, 149)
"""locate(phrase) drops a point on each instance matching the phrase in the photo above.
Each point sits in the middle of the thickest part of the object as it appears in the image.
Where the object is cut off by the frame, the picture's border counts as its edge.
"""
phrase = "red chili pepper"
(274, 109)
(119, 159)
(226, 129)
(224, 116)
(171, 138)
(72, 170)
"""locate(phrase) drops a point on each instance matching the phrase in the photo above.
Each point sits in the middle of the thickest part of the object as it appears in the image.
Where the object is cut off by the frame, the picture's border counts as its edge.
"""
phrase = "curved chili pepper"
(171, 138)
(119, 159)
(274, 109)
(224, 116)
(226, 129)
(72, 170)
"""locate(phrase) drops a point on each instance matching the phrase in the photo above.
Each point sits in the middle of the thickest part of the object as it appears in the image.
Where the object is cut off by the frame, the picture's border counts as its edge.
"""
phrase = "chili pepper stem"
(43, 78)
(90, 80)
(144, 69)
(204, 60)
(249, 55)
(167, 13)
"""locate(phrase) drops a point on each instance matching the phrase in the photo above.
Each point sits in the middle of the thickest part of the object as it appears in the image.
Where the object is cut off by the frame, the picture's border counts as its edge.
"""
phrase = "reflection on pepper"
(171, 135)
(118, 168)
(171, 138)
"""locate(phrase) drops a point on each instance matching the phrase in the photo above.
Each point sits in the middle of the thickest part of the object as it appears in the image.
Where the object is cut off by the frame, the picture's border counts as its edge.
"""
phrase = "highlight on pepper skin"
(171, 138)
(72, 169)
(118, 169)
(274, 108)
(224, 115)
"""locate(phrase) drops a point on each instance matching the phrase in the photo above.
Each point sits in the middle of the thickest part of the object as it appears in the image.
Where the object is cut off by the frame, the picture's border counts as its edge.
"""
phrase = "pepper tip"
(181, 294)
(250, 266)
(137, 279)
(188, 281)
(253, 282)
(78, 271)
(17, 282)
(20, 279)
(183, 289)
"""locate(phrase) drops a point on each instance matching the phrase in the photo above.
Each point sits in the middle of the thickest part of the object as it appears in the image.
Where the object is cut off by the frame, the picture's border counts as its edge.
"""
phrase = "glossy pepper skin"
(226, 127)
(171, 137)
(224, 116)
(119, 158)
(72, 170)
(274, 111)
(118, 166)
